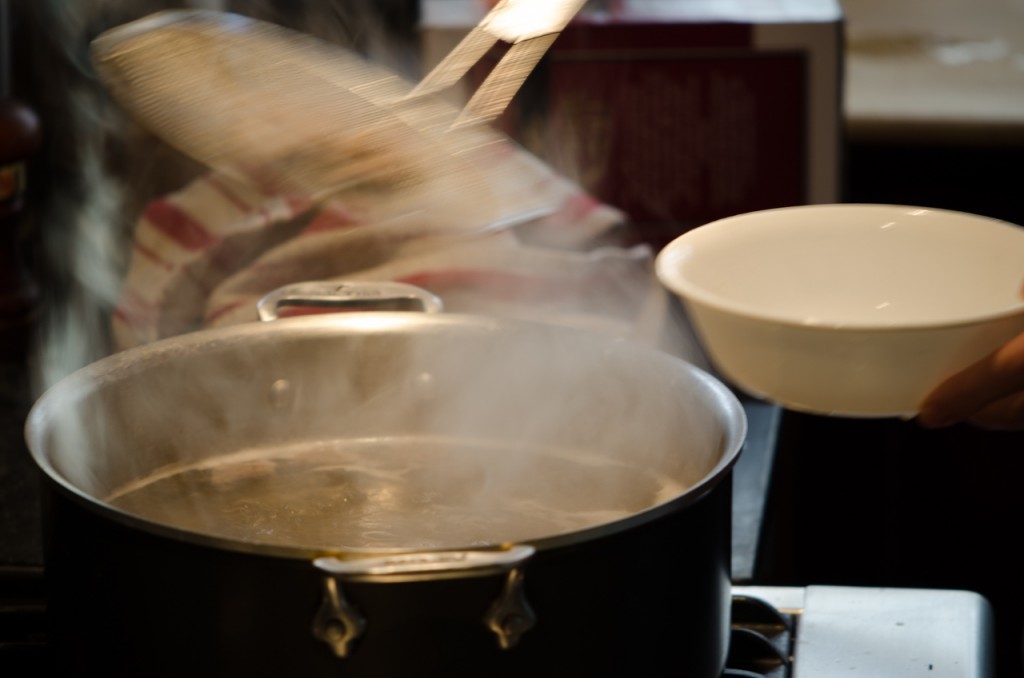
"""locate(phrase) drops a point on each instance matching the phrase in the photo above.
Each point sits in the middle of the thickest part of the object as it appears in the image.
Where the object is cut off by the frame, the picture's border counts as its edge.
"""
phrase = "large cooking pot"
(455, 496)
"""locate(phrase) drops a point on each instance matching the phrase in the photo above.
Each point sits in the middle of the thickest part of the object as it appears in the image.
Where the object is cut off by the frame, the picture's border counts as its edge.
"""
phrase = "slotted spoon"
(298, 116)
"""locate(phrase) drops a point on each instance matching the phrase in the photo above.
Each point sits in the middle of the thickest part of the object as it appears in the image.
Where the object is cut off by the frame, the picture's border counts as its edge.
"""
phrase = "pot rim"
(137, 358)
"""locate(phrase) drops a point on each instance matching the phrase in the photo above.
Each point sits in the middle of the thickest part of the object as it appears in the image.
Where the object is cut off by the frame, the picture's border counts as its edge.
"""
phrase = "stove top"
(777, 632)
(882, 632)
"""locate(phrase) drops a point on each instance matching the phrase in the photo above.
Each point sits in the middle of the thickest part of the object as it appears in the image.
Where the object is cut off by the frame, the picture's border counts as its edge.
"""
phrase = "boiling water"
(399, 493)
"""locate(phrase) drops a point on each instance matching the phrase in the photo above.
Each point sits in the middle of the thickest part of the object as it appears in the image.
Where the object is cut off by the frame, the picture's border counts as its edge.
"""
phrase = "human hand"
(988, 394)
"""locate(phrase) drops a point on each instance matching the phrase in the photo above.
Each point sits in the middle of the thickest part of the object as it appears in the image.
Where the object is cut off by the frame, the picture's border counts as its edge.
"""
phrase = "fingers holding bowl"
(988, 393)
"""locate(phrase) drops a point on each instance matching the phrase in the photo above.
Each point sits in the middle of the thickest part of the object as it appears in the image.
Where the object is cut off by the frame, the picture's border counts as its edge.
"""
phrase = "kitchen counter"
(949, 71)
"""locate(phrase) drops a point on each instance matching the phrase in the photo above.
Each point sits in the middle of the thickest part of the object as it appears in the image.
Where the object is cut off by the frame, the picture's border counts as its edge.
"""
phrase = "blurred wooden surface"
(950, 71)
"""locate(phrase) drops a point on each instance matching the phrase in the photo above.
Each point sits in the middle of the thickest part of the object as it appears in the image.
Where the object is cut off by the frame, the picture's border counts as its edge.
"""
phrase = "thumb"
(994, 377)
(1003, 415)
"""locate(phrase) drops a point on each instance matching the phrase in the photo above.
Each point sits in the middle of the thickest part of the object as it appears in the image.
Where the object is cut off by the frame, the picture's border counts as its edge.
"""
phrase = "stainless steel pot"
(140, 592)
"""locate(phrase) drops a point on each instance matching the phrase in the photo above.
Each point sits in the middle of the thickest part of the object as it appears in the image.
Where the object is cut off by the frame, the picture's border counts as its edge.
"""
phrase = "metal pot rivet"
(281, 394)
(515, 624)
(425, 387)
(510, 615)
(337, 623)
(335, 632)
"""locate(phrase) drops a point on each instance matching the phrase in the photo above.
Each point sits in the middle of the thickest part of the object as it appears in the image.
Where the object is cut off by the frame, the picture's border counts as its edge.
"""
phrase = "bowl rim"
(666, 272)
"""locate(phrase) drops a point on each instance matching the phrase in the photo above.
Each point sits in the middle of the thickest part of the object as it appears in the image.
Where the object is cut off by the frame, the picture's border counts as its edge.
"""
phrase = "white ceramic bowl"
(856, 310)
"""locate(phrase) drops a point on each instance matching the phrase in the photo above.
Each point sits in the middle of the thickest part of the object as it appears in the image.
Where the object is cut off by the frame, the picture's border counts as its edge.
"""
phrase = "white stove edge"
(861, 632)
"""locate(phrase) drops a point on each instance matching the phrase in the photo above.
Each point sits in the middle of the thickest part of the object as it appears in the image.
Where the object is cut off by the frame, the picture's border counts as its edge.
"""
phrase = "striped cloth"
(203, 256)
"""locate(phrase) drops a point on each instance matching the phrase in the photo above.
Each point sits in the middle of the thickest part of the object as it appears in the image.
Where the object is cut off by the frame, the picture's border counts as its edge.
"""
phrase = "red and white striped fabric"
(202, 257)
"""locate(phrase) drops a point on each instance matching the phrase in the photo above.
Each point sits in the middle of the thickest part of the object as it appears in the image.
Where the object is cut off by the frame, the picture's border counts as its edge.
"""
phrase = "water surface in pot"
(405, 492)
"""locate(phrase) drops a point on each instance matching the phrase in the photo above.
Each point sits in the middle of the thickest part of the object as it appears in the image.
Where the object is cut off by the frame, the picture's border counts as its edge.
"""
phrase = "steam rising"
(165, 410)
(103, 169)
(566, 430)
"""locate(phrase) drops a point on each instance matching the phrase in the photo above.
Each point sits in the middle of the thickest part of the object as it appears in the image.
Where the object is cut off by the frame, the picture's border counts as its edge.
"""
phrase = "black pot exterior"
(650, 600)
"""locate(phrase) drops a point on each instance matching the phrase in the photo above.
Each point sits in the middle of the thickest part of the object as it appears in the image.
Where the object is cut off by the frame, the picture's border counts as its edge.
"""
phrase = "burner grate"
(761, 640)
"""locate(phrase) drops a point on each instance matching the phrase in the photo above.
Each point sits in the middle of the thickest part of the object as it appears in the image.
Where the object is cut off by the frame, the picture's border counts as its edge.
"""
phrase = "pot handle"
(350, 295)
(339, 624)
(426, 564)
